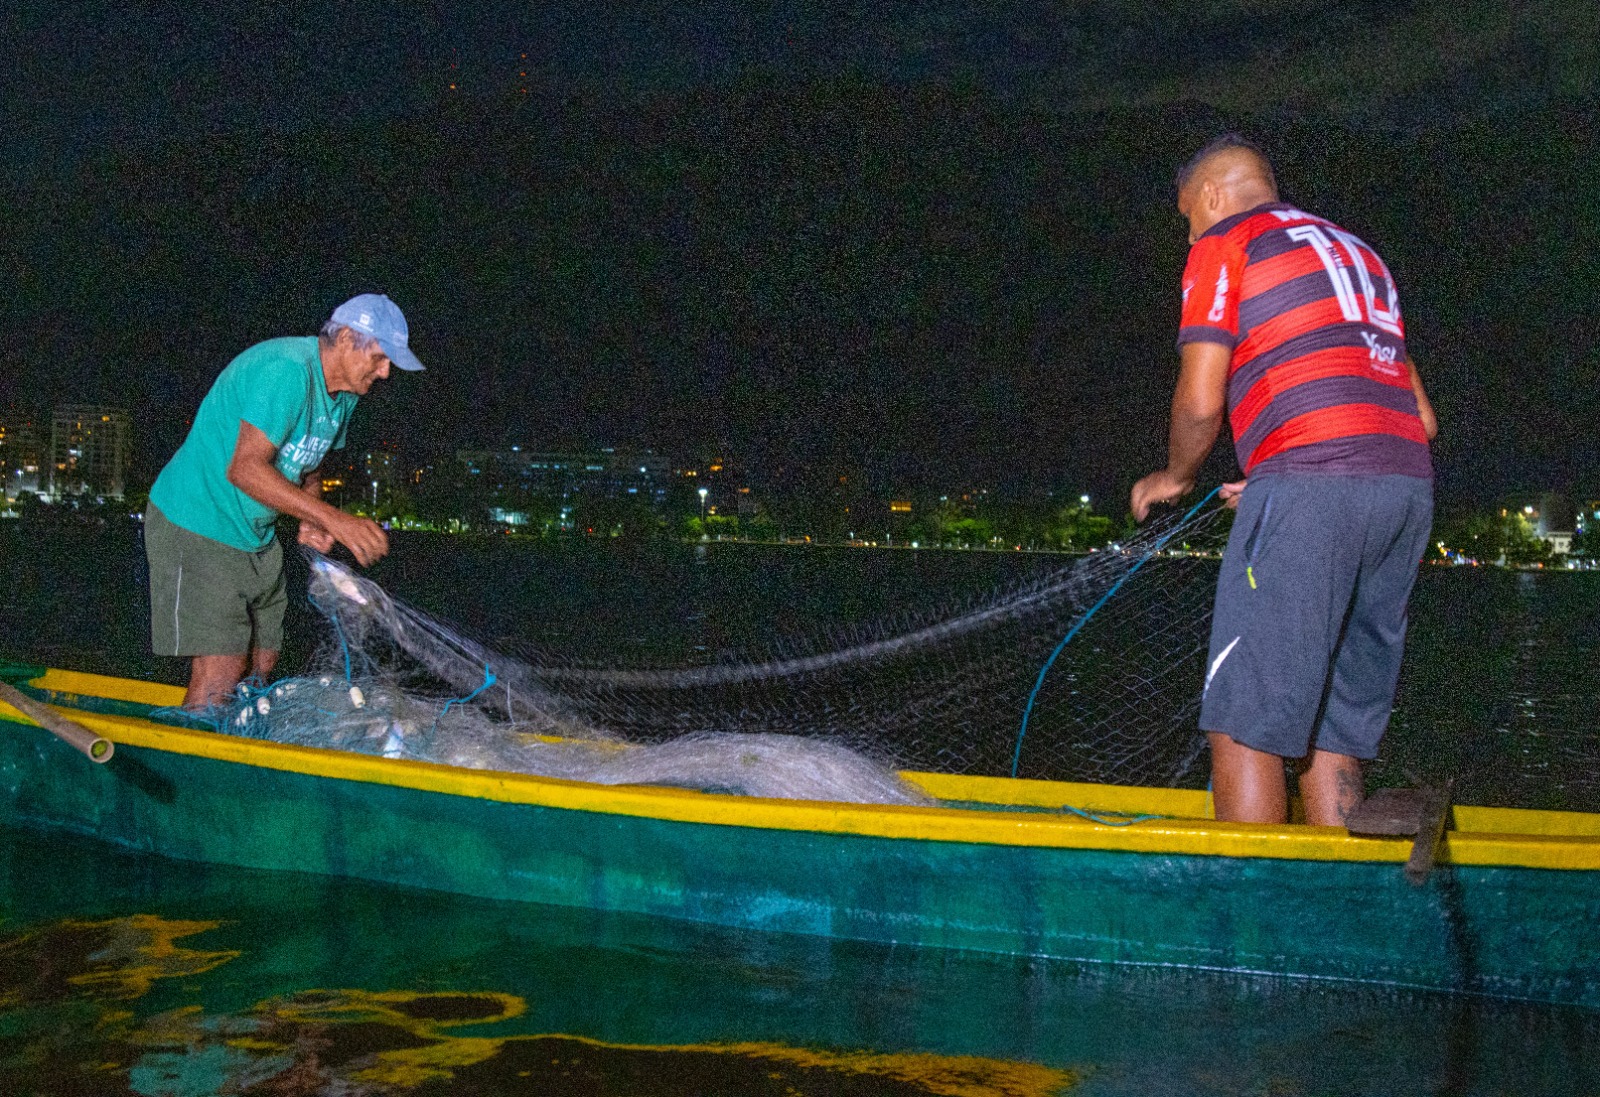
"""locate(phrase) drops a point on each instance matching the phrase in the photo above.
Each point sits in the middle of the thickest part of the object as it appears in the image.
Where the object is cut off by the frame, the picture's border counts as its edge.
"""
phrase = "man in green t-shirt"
(216, 568)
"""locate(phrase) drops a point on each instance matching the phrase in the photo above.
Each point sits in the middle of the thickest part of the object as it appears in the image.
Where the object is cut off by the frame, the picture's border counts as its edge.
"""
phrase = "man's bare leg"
(262, 664)
(1332, 787)
(212, 678)
(1247, 785)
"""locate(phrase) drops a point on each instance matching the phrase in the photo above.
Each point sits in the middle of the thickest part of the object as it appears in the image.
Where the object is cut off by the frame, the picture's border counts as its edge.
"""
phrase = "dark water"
(123, 974)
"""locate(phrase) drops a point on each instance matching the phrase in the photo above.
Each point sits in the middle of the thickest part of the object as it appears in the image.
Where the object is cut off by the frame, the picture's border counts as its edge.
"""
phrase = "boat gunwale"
(1555, 846)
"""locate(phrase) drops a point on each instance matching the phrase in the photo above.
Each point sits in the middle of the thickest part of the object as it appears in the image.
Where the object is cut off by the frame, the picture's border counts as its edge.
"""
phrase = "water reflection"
(70, 994)
(351, 1042)
(129, 975)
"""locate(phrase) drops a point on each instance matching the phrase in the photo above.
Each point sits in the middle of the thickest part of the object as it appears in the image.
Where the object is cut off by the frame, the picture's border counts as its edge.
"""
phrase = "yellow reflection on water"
(63, 989)
(399, 1040)
(118, 958)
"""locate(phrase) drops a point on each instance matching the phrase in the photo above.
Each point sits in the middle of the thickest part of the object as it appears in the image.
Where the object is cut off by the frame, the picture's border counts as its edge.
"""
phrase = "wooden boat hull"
(1514, 913)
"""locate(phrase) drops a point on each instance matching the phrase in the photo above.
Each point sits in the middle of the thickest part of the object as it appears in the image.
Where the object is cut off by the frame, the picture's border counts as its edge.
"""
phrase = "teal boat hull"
(1501, 930)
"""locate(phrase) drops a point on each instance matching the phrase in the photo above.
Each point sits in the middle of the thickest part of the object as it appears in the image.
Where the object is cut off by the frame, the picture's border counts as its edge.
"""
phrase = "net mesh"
(985, 687)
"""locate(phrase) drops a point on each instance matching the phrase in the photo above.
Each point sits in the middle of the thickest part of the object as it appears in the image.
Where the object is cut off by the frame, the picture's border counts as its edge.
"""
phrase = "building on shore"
(21, 456)
(644, 477)
(381, 473)
(1550, 517)
(1560, 541)
(88, 451)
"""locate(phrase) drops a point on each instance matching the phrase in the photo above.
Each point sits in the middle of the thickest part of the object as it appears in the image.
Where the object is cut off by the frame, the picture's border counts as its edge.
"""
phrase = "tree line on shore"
(466, 503)
(1504, 536)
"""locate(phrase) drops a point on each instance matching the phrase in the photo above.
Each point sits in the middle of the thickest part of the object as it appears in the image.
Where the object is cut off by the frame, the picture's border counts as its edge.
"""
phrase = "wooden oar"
(94, 747)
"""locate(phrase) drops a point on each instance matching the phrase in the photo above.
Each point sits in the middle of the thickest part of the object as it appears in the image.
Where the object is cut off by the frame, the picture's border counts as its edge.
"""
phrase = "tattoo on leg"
(1350, 791)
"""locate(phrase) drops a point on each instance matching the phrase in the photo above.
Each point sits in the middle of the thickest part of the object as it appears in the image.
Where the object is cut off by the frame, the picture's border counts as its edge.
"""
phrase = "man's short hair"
(1225, 143)
(359, 340)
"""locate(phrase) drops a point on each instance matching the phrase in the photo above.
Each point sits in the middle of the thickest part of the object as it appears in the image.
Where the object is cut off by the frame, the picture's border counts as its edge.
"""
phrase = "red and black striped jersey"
(1319, 379)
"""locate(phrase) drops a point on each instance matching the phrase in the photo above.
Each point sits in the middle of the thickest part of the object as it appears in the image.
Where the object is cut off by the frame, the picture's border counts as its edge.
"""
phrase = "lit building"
(382, 466)
(381, 473)
(88, 451)
(746, 504)
(609, 474)
(1553, 520)
(21, 456)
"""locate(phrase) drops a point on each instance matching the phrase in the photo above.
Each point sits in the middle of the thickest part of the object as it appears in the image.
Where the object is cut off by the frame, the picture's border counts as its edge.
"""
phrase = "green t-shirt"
(278, 388)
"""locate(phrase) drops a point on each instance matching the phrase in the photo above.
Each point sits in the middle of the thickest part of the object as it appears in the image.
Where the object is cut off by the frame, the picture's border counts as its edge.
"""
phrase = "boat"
(1079, 872)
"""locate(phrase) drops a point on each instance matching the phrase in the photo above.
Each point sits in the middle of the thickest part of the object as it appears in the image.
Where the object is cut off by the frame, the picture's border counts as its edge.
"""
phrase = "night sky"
(936, 241)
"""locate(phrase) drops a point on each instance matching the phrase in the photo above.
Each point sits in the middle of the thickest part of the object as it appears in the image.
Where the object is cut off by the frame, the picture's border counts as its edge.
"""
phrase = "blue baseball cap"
(375, 315)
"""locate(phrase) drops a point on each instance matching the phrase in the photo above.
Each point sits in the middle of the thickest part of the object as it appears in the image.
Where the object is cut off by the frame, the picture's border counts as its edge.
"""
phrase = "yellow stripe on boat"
(1484, 836)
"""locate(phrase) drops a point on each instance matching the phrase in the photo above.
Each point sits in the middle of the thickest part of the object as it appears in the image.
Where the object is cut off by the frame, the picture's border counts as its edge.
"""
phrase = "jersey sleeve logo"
(1219, 299)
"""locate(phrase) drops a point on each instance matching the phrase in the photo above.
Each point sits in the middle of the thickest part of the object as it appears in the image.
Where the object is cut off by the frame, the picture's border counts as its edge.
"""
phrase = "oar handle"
(93, 747)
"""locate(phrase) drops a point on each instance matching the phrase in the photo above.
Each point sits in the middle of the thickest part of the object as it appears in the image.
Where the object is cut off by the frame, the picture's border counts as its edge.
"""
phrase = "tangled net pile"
(800, 717)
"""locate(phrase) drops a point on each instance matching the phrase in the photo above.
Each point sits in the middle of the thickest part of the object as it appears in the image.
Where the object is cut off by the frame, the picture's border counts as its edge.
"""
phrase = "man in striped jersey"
(1291, 325)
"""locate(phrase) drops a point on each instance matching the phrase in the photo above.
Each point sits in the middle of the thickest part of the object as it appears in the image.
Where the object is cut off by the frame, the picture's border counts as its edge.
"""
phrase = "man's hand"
(1159, 487)
(1229, 494)
(365, 539)
(315, 536)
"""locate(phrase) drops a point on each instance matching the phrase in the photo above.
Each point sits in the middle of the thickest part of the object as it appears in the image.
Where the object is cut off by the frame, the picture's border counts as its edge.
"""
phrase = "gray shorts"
(207, 598)
(1310, 619)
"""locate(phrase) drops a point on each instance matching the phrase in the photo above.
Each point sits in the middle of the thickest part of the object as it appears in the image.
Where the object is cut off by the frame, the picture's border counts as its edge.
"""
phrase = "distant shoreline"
(92, 521)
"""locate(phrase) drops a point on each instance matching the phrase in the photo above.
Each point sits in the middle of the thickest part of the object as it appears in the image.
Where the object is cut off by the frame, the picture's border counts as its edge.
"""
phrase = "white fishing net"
(1091, 672)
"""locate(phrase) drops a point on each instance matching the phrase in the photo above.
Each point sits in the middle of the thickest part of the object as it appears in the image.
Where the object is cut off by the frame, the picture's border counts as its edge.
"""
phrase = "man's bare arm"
(252, 470)
(312, 533)
(1430, 422)
(1198, 406)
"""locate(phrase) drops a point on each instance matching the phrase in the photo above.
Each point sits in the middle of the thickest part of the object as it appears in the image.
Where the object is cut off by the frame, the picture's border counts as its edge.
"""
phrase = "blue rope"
(183, 718)
(1161, 542)
(339, 632)
(489, 679)
(1103, 821)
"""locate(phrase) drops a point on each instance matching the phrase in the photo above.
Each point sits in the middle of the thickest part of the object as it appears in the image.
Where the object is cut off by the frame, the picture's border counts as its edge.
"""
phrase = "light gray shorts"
(207, 598)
